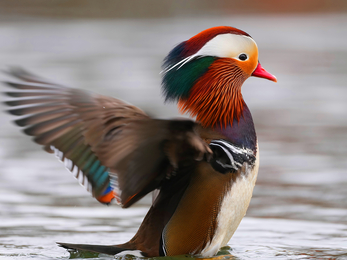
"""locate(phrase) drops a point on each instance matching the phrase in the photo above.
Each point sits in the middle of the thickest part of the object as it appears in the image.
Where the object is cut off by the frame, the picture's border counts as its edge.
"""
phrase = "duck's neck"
(241, 132)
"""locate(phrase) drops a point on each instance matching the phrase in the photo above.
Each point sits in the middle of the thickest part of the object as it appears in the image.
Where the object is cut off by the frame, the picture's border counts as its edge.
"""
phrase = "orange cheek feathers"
(215, 98)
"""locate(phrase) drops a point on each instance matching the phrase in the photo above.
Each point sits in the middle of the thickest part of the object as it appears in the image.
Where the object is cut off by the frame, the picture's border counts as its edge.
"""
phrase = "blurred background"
(299, 207)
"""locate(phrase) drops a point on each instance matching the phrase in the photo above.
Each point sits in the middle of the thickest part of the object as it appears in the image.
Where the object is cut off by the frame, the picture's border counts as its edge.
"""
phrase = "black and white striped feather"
(230, 158)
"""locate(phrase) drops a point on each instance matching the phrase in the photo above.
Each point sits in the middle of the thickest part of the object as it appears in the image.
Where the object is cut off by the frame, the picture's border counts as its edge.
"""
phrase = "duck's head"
(206, 72)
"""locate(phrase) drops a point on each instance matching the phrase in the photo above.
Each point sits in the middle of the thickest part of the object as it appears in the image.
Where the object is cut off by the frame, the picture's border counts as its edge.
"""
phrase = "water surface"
(299, 208)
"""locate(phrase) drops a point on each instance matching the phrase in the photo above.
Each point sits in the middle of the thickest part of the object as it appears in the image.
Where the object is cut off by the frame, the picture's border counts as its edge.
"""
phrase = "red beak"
(262, 73)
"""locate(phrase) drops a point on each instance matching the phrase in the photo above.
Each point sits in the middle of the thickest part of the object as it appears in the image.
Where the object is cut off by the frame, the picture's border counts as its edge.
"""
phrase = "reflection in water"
(224, 253)
(299, 209)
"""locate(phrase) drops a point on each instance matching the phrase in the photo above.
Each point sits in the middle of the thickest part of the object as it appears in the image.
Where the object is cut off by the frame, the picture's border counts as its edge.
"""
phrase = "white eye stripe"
(223, 46)
(228, 46)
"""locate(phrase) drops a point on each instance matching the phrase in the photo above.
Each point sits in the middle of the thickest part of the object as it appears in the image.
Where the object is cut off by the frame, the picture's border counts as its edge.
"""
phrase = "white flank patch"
(233, 209)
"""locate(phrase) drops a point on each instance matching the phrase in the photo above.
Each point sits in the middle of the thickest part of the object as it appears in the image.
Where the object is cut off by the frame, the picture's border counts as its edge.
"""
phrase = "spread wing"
(113, 148)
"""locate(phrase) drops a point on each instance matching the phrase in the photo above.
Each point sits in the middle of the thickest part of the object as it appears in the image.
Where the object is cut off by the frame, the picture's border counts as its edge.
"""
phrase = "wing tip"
(19, 72)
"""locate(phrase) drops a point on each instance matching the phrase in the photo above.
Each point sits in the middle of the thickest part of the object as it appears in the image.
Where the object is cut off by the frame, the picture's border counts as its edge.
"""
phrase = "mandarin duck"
(202, 172)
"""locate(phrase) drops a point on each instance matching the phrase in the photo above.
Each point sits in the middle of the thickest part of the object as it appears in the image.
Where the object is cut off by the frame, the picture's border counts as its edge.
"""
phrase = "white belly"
(233, 209)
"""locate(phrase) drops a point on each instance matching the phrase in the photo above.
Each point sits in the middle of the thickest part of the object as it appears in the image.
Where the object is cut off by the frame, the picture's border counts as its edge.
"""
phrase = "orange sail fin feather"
(216, 97)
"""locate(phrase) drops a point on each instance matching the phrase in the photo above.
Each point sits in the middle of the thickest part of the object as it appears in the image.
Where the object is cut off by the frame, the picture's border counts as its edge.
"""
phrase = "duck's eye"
(243, 56)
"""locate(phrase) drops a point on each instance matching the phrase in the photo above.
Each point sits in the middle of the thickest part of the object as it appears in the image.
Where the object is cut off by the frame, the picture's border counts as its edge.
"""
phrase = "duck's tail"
(109, 250)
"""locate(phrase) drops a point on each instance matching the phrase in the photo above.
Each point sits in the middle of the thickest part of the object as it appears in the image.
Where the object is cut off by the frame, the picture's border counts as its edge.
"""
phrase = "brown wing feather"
(152, 151)
(100, 135)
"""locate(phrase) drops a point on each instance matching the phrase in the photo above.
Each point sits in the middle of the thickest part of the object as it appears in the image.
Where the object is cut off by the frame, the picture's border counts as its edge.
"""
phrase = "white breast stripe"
(233, 148)
(231, 158)
(237, 156)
